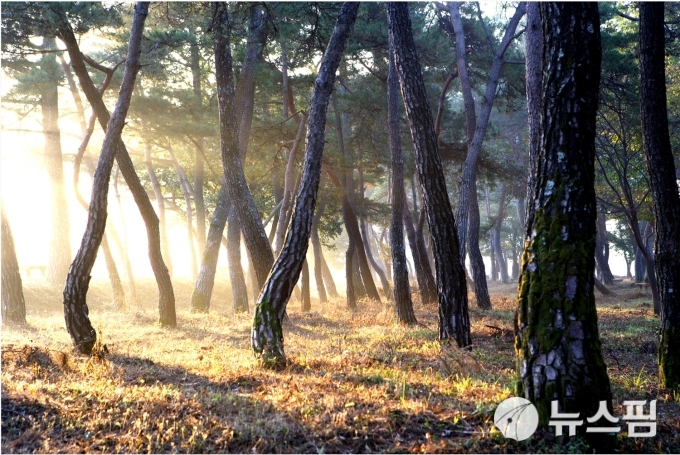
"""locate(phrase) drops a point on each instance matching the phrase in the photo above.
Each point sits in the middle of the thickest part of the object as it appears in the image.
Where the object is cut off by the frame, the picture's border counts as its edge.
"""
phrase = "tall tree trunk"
(78, 279)
(402, 290)
(600, 247)
(289, 187)
(492, 249)
(202, 293)
(556, 333)
(200, 298)
(13, 304)
(267, 336)
(663, 183)
(59, 253)
(467, 213)
(247, 215)
(348, 212)
(87, 130)
(166, 300)
(454, 320)
(502, 263)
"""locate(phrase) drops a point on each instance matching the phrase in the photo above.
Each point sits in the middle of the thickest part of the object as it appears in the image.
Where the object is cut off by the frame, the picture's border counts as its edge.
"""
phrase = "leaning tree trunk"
(13, 304)
(59, 253)
(267, 336)
(663, 183)
(453, 304)
(166, 299)
(160, 201)
(78, 279)
(402, 291)
(237, 188)
(87, 130)
(202, 293)
(467, 212)
(556, 333)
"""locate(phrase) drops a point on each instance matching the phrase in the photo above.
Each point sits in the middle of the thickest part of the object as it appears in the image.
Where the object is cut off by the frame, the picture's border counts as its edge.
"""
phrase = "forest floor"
(356, 382)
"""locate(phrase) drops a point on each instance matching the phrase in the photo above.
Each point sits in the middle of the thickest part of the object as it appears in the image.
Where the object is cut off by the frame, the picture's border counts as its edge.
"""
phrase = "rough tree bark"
(663, 183)
(166, 300)
(59, 253)
(559, 356)
(289, 187)
(267, 335)
(78, 279)
(200, 297)
(237, 188)
(13, 304)
(402, 290)
(454, 320)
(87, 129)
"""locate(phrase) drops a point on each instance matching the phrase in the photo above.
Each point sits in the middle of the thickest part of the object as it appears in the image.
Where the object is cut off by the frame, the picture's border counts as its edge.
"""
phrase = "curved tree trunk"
(160, 202)
(78, 279)
(453, 305)
(559, 356)
(59, 253)
(267, 336)
(202, 293)
(166, 300)
(87, 128)
(289, 187)
(237, 186)
(13, 304)
(468, 208)
(663, 183)
(402, 290)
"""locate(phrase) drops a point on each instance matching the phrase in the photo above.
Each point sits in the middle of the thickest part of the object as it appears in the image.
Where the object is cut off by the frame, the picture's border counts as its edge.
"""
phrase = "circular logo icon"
(516, 418)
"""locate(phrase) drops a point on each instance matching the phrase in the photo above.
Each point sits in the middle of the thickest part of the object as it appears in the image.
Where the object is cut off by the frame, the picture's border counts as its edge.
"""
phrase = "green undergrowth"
(354, 381)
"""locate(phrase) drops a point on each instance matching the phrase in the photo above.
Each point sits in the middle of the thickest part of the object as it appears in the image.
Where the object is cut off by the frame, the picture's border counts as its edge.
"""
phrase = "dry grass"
(355, 383)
